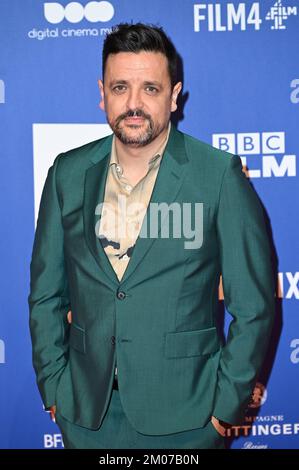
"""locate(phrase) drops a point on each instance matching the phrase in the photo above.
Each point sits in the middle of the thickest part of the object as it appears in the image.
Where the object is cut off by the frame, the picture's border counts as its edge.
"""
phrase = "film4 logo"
(229, 16)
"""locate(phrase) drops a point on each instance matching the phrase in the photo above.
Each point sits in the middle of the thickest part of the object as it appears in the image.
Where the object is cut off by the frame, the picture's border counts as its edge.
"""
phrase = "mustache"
(131, 113)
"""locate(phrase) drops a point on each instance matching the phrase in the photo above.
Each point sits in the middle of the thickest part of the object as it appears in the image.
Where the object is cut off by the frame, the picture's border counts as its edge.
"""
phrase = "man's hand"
(52, 413)
(219, 427)
(53, 408)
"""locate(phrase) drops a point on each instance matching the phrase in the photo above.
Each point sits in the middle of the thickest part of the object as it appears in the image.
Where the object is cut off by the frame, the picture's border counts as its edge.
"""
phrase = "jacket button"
(113, 340)
(121, 295)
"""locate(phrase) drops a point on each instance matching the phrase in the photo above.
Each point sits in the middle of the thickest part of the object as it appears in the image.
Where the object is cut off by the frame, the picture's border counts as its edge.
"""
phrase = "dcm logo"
(74, 12)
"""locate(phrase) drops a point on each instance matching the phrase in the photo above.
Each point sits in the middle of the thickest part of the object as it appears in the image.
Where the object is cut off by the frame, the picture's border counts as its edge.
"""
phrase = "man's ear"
(174, 96)
(102, 102)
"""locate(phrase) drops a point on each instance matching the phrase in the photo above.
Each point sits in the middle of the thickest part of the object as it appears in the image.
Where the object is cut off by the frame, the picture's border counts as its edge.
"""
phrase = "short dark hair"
(129, 37)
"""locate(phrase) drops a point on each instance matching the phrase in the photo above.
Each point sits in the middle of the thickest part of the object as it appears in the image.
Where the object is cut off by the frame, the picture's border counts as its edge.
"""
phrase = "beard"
(143, 137)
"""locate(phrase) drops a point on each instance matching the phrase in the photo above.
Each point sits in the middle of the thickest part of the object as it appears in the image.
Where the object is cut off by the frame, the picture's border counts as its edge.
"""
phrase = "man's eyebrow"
(119, 82)
(125, 82)
(153, 82)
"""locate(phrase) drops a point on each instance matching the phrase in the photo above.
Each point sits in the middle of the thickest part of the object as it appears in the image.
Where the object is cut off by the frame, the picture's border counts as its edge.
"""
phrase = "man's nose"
(134, 100)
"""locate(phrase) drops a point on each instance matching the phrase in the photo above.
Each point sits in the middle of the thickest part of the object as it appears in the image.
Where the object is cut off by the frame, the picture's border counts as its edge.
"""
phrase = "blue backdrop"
(241, 93)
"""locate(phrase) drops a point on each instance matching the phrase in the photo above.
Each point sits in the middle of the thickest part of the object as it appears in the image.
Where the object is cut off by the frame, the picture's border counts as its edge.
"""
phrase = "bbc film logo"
(227, 17)
(91, 14)
(270, 147)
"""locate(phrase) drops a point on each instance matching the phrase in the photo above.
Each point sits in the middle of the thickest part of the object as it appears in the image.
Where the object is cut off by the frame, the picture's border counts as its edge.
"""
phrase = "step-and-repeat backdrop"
(241, 94)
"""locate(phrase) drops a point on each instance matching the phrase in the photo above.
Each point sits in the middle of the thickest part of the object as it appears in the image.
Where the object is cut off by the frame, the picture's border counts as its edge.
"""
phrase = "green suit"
(174, 371)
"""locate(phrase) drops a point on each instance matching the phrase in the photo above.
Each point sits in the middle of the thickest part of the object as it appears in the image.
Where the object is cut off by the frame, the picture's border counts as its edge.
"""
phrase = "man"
(138, 361)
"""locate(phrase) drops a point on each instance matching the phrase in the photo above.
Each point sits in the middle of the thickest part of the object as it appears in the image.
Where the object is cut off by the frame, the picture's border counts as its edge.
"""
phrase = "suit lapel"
(167, 185)
(94, 192)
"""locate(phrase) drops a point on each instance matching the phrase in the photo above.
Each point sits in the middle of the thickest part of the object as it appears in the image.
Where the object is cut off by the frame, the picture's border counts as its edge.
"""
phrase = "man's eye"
(152, 89)
(119, 88)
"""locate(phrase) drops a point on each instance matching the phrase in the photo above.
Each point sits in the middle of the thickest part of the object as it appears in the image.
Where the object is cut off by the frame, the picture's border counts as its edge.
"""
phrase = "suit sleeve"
(48, 298)
(249, 290)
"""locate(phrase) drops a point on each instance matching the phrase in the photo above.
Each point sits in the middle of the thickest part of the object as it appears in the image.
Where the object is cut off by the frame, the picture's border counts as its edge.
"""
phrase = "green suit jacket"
(174, 371)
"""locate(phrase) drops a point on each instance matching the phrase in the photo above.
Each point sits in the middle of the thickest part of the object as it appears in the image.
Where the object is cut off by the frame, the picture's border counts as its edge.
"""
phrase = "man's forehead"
(137, 68)
(138, 61)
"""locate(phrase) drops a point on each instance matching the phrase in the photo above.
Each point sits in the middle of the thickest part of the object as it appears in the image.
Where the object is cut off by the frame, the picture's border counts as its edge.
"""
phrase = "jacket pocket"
(192, 343)
(77, 338)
